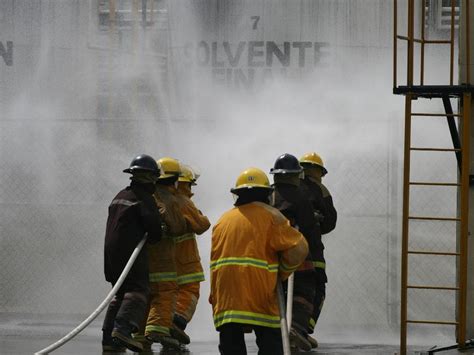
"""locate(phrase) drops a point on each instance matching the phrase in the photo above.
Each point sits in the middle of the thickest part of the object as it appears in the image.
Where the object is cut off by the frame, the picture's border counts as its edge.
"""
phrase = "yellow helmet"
(251, 178)
(169, 167)
(187, 175)
(313, 159)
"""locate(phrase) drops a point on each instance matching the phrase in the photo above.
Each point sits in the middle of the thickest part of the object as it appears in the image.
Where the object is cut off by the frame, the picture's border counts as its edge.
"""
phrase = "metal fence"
(66, 134)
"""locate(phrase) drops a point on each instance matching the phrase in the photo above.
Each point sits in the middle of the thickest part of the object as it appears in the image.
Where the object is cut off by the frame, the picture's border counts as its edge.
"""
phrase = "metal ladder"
(445, 92)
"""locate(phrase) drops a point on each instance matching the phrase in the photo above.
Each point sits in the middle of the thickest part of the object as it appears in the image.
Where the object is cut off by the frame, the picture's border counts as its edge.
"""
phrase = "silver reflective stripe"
(123, 202)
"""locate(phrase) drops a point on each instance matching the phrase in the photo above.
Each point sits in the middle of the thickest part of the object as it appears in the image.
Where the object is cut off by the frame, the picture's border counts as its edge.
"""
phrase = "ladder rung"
(436, 114)
(435, 218)
(402, 37)
(442, 322)
(436, 149)
(422, 183)
(421, 252)
(448, 288)
(437, 41)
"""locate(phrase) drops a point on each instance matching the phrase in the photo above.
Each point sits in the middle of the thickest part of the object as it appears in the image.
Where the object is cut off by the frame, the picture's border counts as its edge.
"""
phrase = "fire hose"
(101, 307)
(285, 313)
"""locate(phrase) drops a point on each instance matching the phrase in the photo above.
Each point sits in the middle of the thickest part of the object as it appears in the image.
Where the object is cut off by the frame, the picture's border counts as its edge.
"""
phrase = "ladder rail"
(412, 92)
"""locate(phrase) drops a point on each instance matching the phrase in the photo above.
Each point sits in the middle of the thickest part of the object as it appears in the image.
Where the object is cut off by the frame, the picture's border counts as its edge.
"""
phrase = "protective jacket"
(323, 208)
(321, 200)
(251, 243)
(163, 277)
(187, 253)
(295, 206)
(132, 213)
(188, 262)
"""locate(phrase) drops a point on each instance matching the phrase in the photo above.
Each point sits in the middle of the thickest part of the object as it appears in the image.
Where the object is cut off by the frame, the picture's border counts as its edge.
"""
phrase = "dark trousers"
(232, 341)
(320, 281)
(128, 308)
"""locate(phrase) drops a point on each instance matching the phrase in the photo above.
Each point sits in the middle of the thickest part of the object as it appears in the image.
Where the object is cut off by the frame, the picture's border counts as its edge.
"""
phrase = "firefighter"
(163, 278)
(251, 245)
(326, 215)
(188, 262)
(290, 200)
(132, 213)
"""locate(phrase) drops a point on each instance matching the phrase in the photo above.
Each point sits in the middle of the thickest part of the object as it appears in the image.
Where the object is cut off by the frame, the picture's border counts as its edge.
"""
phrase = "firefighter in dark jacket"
(132, 214)
(294, 205)
(326, 215)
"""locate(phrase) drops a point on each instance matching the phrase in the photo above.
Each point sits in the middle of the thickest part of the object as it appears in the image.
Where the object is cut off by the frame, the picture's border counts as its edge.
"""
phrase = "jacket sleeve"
(290, 245)
(196, 222)
(172, 217)
(151, 218)
(329, 212)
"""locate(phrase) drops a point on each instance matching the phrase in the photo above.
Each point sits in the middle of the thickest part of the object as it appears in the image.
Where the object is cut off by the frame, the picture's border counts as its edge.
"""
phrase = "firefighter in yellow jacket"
(188, 261)
(162, 264)
(251, 244)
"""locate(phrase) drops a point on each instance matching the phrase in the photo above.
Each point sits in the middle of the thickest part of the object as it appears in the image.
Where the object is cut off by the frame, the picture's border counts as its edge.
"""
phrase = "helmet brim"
(285, 171)
(249, 187)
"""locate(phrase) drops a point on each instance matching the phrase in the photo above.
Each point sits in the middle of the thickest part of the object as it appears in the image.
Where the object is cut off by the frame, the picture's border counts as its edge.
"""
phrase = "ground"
(20, 334)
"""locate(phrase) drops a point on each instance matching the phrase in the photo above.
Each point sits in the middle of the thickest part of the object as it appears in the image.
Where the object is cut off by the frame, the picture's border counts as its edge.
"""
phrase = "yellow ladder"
(462, 218)
(412, 92)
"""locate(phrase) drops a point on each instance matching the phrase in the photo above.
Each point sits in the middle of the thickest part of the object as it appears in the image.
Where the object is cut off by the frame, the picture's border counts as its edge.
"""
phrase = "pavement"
(23, 334)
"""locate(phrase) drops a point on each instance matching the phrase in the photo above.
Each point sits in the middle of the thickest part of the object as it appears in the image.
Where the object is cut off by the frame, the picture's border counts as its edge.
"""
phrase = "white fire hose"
(289, 299)
(101, 307)
(283, 319)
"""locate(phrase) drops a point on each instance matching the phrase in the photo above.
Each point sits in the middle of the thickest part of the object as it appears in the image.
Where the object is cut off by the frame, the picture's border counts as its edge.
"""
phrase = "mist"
(83, 96)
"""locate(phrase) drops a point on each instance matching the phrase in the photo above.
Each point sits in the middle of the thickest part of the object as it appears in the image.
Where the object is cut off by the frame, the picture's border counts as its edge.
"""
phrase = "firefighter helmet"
(252, 178)
(286, 164)
(169, 167)
(187, 175)
(313, 158)
(143, 162)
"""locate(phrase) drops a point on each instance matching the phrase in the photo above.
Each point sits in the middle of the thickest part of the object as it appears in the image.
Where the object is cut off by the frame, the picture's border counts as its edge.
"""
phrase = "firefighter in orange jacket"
(326, 213)
(251, 244)
(188, 262)
(163, 278)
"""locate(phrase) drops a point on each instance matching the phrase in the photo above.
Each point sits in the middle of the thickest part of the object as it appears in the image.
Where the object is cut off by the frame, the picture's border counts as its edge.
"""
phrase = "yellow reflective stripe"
(188, 278)
(259, 263)
(184, 237)
(288, 268)
(312, 323)
(319, 264)
(158, 329)
(163, 276)
(233, 316)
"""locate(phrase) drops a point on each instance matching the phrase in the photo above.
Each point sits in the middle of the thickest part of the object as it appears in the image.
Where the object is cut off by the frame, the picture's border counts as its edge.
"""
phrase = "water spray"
(101, 307)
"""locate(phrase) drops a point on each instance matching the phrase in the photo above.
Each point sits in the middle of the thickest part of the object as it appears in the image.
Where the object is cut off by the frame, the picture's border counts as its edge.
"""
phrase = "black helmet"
(286, 164)
(143, 162)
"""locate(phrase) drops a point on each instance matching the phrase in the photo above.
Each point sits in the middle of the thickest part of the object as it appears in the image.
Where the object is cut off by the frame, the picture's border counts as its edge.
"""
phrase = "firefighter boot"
(297, 340)
(177, 330)
(109, 347)
(312, 341)
(122, 336)
(165, 340)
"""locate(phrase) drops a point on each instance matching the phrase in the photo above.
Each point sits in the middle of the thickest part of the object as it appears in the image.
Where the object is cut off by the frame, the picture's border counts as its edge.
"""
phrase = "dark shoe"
(165, 340)
(112, 348)
(180, 335)
(298, 340)
(121, 338)
(312, 341)
(145, 342)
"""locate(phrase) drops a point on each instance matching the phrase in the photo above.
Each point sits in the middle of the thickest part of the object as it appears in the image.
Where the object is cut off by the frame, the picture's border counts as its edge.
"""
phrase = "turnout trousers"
(163, 287)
